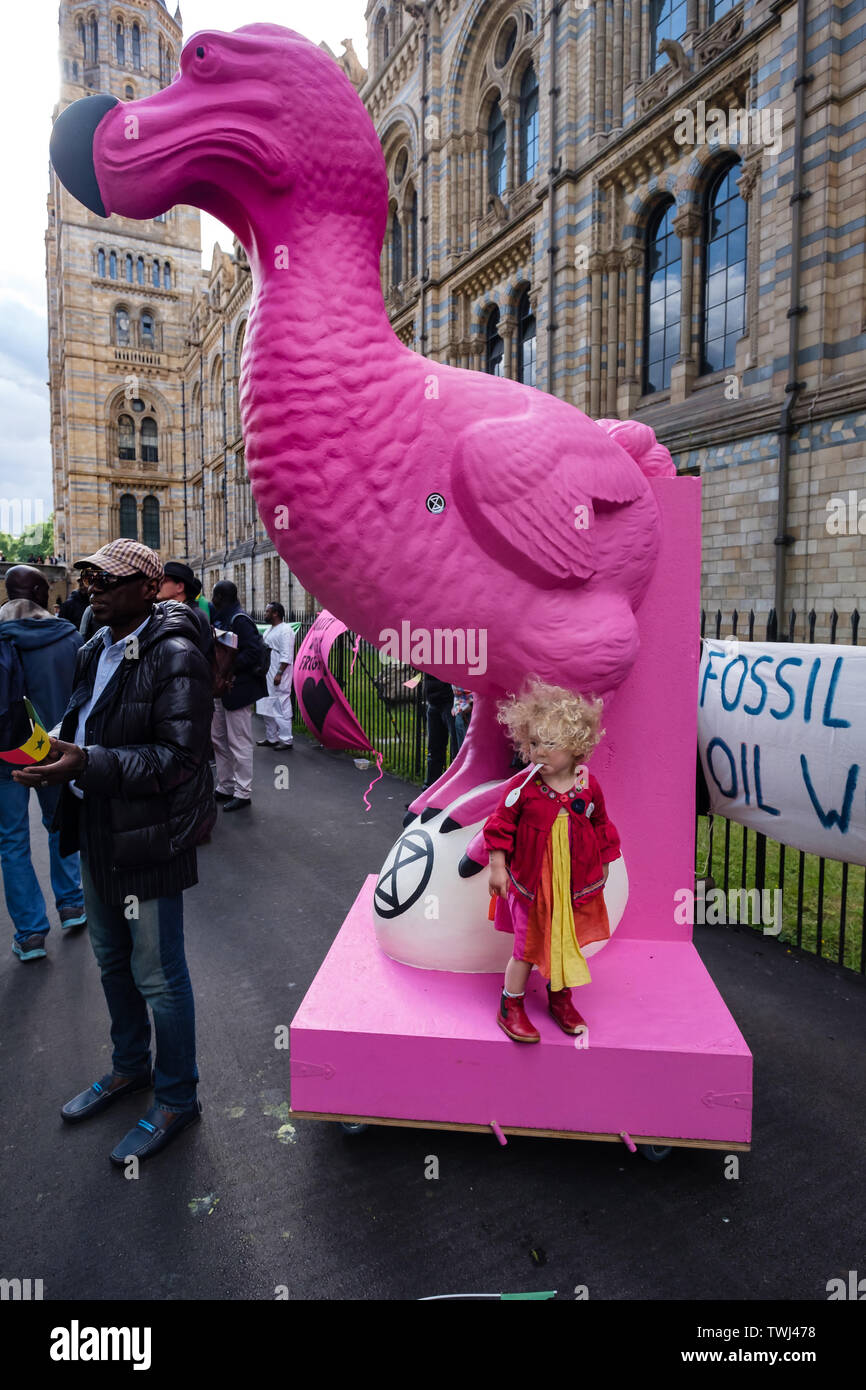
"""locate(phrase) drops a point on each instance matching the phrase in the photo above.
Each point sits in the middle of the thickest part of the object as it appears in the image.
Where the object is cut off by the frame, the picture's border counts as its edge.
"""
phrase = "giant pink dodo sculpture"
(549, 530)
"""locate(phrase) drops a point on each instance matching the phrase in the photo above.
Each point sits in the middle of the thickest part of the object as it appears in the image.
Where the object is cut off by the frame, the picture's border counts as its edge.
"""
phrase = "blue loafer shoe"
(98, 1096)
(156, 1129)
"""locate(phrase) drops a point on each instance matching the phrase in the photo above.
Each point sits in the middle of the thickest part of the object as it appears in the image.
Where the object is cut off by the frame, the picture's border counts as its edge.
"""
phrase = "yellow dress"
(554, 947)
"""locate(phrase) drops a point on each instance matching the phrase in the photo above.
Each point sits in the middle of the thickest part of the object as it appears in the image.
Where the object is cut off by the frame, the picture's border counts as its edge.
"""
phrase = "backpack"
(12, 693)
(224, 658)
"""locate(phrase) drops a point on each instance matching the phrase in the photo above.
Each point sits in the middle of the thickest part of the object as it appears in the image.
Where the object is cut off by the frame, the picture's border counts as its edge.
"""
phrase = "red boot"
(564, 1012)
(512, 1019)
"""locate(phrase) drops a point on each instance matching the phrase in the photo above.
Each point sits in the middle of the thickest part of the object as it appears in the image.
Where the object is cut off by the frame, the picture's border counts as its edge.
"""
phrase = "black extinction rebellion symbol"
(405, 875)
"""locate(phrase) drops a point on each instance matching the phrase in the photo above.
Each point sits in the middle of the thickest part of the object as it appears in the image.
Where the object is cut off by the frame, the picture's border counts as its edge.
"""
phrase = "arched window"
(396, 250)
(121, 327)
(496, 162)
(195, 422)
(505, 42)
(528, 124)
(119, 44)
(129, 267)
(668, 20)
(125, 437)
(236, 382)
(401, 164)
(662, 283)
(112, 264)
(128, 517)
(148, 337)
(100, 262)
(139, 266)
(82, 38)
(94, 39)
(136, 47)
(130, 93)
(166, 276)
(724, 289)
(413, 232)
(149, 441)
(150, 522)
(154, 274)
(525, 341)
(494, 362)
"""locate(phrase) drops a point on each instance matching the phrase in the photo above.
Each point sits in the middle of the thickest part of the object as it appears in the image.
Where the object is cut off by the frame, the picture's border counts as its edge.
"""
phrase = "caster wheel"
(654, 1152)
(348, 1128)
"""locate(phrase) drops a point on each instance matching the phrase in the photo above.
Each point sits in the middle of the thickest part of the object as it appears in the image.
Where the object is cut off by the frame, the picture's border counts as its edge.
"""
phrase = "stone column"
(600, 64)
(510, 110)
(612, 264)
(749, 179)
(596, 268)
(507, 332)
(629, 391)
(635, 74)
(687, 225)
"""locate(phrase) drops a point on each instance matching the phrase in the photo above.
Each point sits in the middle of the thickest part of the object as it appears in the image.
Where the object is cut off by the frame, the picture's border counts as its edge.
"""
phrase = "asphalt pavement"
(251, 1204)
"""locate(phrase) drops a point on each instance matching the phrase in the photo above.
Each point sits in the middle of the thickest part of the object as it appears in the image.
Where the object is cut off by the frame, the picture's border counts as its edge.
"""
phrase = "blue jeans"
(142, 962)
(24, 901)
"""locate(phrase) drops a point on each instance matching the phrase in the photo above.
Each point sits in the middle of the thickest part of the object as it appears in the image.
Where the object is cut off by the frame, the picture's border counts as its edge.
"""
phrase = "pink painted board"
(646, 761)
(665, 1057)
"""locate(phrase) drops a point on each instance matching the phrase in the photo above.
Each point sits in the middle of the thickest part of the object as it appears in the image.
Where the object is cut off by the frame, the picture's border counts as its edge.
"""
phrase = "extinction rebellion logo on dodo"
(405, 873)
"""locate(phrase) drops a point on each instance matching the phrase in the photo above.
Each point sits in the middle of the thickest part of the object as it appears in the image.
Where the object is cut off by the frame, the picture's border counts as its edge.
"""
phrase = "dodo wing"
(529, 486)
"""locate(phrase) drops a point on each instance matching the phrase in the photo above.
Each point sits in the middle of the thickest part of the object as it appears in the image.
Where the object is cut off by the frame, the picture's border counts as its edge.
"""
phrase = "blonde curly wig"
(552, 712)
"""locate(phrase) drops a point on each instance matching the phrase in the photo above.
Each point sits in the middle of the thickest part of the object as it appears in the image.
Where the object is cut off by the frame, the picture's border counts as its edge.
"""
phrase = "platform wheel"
(655, 1153)
(349, 1128)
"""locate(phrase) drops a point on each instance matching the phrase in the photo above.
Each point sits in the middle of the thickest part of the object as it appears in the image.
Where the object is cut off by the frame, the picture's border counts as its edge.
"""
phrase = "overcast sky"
(27, 97)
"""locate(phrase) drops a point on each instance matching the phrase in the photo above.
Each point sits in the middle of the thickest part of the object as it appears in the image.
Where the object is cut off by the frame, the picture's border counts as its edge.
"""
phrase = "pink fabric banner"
(321, 703)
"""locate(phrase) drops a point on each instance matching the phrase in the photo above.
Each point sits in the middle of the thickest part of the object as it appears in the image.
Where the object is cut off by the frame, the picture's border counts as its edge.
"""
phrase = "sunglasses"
(103, 580)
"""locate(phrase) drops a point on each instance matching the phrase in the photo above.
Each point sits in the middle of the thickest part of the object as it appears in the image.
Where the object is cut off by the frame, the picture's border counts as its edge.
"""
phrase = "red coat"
(522, 831)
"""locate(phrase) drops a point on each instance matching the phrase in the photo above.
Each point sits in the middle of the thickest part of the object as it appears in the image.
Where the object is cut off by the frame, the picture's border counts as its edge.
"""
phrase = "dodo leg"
(484, 756)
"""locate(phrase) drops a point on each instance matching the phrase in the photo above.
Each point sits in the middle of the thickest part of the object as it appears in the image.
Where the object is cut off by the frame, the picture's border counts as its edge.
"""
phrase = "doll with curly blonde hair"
(550, 843)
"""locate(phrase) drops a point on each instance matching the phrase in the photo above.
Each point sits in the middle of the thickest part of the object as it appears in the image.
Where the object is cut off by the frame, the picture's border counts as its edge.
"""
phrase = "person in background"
(232, 730)
(440, 727)
(462, 710)
(137, 796)
(280, 638)
(181, 584)
(57, 608)
(73, 608)
(47, 648)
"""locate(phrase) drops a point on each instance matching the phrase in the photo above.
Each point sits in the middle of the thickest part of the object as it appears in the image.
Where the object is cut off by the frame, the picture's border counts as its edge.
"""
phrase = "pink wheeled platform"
(664, 1062)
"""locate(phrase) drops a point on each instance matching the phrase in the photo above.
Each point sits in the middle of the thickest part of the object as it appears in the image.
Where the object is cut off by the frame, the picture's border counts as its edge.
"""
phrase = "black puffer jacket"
(148, 788)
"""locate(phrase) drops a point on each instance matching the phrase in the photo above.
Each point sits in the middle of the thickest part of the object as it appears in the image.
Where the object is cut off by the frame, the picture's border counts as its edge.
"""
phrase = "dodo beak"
(71, 148)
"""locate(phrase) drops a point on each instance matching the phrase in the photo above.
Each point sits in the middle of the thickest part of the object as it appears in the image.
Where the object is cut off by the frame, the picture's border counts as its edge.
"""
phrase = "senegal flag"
(22, 735)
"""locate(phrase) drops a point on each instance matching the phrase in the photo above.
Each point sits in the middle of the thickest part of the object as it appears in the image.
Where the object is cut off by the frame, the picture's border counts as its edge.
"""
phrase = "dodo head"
(250, 119)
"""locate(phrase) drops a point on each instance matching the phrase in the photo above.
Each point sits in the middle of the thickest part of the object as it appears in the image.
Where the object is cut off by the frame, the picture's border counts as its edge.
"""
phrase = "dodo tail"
(639, 441)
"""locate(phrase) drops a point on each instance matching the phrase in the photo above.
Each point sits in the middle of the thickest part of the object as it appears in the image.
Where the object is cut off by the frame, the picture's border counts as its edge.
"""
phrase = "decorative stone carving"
(719, 39)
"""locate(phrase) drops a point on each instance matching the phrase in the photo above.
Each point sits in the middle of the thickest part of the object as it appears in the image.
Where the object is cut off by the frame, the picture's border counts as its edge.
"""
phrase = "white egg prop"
(427, 916)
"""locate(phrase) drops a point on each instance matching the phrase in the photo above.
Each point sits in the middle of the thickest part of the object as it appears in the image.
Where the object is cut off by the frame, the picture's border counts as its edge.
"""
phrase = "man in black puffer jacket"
(137, 798)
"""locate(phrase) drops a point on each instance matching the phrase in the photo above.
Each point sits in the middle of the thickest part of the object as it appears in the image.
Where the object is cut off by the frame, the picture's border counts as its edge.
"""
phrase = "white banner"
(782, 741)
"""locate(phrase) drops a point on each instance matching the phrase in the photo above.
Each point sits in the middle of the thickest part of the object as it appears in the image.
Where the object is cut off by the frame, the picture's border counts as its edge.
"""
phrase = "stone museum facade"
(650, 209)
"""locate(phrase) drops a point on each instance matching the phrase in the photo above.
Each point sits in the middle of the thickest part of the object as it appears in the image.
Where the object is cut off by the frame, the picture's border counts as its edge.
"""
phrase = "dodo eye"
(199, 53)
